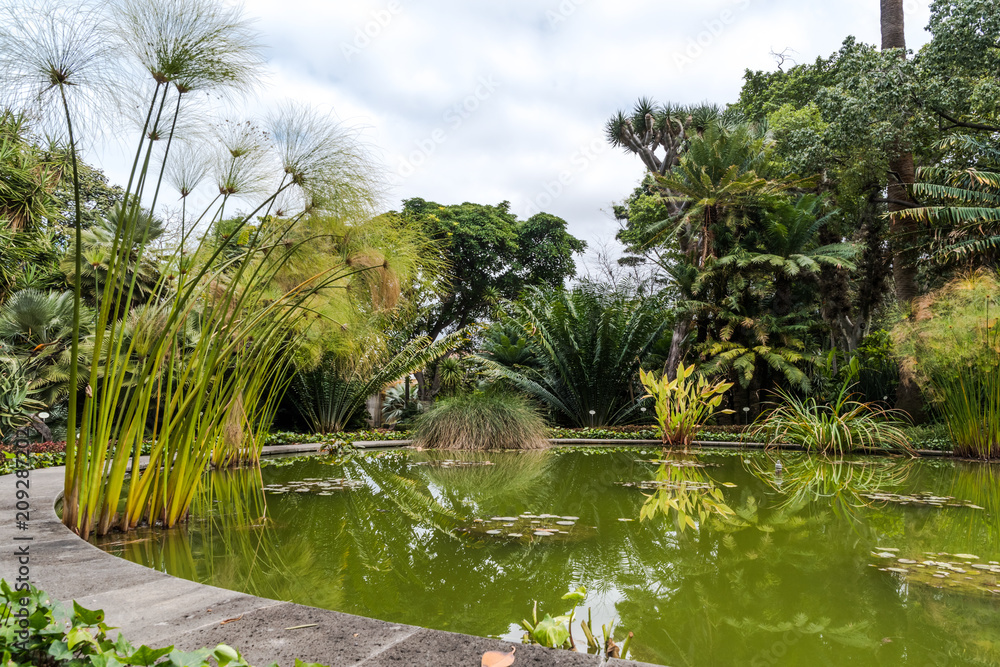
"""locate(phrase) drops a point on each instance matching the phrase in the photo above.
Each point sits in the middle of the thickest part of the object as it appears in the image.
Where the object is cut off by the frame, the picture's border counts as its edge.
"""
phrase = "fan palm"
(38, 326)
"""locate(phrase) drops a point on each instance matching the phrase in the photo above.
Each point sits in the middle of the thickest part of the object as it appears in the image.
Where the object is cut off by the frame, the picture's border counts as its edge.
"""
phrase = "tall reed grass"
(951, 347)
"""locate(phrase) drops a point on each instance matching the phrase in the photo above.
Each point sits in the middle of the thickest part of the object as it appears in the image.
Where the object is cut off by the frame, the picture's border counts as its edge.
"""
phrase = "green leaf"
(60, 651)
(78, 635)
(86, 616)
(225, 655)
(550, 632)
(146, 656)
(577, 596)
(197, 658)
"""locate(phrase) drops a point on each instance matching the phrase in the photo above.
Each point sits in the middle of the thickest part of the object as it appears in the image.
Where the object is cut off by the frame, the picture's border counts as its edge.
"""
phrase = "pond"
(709, 559)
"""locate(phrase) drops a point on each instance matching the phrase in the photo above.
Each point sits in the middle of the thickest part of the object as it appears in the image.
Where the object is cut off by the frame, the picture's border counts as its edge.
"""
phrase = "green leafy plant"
(40, 632)
(839, 427)
(586, 347)
(951, 347)
(481, 420)
(16, 401)
(683, 405)
(557, 632)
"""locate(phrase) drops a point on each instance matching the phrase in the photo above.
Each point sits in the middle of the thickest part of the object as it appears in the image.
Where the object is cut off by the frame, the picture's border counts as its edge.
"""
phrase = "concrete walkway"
(157, 609)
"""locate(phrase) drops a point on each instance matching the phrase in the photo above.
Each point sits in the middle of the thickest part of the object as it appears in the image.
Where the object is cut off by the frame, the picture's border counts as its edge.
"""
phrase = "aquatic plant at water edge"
(839, 427)
(193, 357)
(481, 420)
(683, 404)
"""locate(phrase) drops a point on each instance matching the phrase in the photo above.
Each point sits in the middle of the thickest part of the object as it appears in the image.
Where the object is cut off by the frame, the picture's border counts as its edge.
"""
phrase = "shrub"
(838, 427)
(683, 404)
(481, 420)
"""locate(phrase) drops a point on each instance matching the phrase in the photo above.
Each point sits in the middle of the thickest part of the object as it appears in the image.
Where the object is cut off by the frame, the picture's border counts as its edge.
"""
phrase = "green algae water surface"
(709, 559)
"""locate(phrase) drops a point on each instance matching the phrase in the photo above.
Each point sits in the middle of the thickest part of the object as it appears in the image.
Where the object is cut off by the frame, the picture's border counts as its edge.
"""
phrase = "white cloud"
(410, 72)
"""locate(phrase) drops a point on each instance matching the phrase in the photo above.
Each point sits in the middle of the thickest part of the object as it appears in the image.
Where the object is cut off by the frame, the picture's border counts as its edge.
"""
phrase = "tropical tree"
(490, 255)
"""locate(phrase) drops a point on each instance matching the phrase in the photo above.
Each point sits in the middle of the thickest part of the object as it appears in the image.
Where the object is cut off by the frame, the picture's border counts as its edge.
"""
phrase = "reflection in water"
(842, 484)
(682, 491)
(770, 573)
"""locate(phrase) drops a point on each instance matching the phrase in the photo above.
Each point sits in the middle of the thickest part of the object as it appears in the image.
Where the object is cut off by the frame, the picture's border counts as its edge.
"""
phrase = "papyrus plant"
(197, 371)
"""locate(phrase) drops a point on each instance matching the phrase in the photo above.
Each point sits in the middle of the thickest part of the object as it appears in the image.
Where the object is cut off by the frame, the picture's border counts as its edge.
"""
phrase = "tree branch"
(961, 123)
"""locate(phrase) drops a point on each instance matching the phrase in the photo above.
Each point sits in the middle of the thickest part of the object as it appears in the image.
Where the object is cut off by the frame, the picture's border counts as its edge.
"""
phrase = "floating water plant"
(526, 527)
(923, 498)
(321, 487)
(962, 573)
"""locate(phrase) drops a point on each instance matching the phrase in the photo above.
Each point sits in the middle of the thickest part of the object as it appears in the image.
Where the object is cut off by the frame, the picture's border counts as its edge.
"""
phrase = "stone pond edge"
(158, 609)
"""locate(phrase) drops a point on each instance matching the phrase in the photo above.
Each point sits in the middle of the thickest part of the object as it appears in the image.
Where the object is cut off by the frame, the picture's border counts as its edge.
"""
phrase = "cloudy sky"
(492, 100)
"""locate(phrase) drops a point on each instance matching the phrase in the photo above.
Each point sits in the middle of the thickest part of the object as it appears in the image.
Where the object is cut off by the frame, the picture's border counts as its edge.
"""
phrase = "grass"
(481, 421)
(839, 427)
(970, 403)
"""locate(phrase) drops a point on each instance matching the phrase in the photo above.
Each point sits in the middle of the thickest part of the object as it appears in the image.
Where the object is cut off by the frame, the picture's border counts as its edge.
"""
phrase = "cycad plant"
(331, 393)
(586, 345)
(220, 331)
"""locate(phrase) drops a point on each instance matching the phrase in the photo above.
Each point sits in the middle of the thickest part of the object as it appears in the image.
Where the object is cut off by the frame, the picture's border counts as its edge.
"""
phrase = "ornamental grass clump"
(842, 426)
(481, 420)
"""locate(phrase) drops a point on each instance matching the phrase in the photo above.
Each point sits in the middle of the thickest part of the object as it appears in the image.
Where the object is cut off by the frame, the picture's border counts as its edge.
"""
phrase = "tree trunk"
(681, 327)
(902, 174)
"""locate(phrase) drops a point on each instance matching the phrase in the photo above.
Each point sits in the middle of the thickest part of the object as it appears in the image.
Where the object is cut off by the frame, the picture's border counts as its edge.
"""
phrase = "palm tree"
(587, 346)
(966, 214)
(901, 175)
(26, 179)
(715, 191)
(38, 327)
(104, 255)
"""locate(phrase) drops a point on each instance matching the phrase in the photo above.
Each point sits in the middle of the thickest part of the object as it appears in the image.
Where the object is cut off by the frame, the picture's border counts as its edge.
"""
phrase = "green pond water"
(860, 562)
